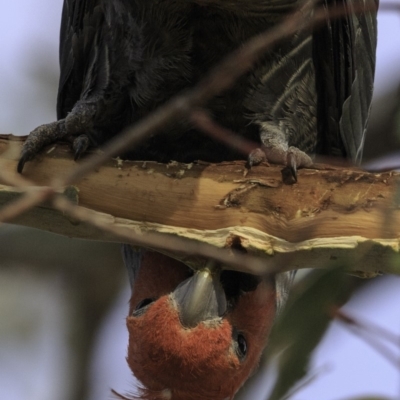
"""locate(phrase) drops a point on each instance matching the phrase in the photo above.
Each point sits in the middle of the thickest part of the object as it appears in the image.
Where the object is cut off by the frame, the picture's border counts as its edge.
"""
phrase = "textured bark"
(331, 216)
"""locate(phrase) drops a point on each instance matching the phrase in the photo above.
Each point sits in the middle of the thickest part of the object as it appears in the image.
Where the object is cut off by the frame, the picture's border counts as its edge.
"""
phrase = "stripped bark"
(332, 216)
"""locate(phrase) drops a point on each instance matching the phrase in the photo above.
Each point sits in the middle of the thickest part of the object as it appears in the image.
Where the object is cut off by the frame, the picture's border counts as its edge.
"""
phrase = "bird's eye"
(240, 345)
(143, 303)
(142, 306)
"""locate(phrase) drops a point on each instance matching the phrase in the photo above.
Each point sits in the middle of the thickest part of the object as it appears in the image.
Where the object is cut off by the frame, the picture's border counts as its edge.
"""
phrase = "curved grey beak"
(200, 298)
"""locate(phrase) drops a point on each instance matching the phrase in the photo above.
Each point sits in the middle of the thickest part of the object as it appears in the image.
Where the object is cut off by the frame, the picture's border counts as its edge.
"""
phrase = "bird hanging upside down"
(197, 335)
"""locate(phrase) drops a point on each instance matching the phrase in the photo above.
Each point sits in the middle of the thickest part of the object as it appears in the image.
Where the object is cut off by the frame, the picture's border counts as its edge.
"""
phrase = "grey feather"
(283, 284)
(344, 58)
(132, 259)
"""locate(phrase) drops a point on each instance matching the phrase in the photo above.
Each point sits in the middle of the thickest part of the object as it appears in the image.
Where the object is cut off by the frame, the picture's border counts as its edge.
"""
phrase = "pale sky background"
(35, 366)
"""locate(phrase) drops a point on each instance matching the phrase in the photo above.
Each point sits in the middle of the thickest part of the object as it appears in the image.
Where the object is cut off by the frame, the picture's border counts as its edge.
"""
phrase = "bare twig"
(203, 122)
(367, 326)
(31, 194)
(27, 201)
(371, 334)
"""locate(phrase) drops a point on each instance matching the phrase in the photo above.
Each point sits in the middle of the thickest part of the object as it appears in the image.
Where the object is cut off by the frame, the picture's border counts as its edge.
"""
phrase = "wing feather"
(344, 57)
(78, 29)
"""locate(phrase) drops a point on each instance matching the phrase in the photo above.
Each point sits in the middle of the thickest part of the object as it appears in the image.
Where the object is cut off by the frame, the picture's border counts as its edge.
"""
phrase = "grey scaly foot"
(79, 120)
(292, 157)
(42, 136)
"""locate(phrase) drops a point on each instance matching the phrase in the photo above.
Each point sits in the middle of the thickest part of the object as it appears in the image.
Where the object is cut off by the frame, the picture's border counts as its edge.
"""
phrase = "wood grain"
(330, 212)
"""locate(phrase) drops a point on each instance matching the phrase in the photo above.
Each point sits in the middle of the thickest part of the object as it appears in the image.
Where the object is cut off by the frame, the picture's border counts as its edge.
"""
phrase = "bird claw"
(293, 158)
(292, 165)
(79, 120)
(80, 145)
(38, 138)
(256, 157)
(25, 156)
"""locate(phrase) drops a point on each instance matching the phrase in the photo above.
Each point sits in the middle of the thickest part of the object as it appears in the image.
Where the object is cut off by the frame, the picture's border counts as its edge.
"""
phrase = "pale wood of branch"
(331, 216)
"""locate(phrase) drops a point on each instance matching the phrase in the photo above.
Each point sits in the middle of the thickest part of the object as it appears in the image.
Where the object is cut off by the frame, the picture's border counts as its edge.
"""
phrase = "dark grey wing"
(344, 58)
(79, 23)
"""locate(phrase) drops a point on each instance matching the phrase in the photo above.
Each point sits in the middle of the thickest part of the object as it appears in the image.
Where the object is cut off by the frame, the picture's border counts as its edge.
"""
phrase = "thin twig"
(23, 204)
(203, 122)
(370, 327)
(369, 335)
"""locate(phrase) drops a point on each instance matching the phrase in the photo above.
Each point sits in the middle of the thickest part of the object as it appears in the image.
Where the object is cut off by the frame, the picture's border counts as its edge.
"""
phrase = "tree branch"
(332, 216)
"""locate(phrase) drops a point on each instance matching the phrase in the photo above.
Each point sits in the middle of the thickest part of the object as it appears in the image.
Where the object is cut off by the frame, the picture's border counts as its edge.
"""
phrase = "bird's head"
(195, 335)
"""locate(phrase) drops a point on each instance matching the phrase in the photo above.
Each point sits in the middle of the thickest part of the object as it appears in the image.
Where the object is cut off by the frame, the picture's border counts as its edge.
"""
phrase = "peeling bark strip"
(329, 211)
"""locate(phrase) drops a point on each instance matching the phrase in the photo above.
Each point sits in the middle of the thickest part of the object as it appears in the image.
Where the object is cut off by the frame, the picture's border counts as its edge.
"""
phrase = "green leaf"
(302, 324)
